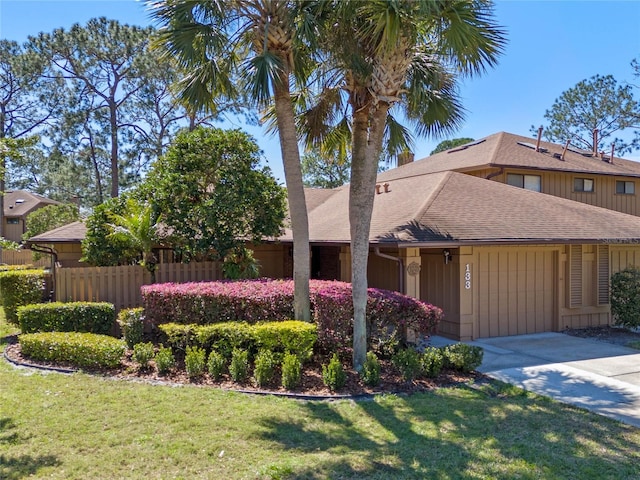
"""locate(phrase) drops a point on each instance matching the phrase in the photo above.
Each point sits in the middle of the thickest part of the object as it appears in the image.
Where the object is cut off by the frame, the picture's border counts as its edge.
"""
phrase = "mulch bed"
(615, 335)
(311, 385)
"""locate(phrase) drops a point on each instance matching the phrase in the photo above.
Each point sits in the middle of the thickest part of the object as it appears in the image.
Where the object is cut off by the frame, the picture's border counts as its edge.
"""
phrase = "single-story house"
(463, 230)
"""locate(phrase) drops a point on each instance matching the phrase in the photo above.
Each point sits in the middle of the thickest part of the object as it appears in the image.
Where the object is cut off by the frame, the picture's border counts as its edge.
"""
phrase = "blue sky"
(552, 45)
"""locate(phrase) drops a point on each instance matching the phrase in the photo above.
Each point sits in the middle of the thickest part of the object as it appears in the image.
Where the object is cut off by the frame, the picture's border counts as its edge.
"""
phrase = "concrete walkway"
(595, 375)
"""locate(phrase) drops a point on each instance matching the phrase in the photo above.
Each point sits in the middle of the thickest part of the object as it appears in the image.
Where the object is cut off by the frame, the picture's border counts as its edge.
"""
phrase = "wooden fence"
(23, 257)
(121, 285)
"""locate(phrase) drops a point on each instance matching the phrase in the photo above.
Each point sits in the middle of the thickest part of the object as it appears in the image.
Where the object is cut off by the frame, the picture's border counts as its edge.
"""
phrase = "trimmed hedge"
(389, 314)
(85, 350)
(279, 337)
(20, 287)
(216, 302)
(87, 317)
(289, 336)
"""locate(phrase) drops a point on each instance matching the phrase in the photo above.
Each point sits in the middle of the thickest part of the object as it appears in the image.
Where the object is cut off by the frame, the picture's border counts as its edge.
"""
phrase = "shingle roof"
(451, 207)
(73, 232)
(20, 202)
(506, 150)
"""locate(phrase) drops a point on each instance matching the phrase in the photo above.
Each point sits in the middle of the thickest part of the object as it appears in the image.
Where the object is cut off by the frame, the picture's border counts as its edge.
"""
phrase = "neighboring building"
(460, 229)
(17, 205)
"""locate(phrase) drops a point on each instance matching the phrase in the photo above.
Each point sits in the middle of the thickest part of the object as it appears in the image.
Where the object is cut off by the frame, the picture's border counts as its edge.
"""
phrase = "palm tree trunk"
(296, 196)
(367, 145)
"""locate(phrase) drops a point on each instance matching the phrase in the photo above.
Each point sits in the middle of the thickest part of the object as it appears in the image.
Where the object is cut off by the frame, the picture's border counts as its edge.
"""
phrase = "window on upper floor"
(13, 221)
(625, 188)
(583, 185)
(528, 182)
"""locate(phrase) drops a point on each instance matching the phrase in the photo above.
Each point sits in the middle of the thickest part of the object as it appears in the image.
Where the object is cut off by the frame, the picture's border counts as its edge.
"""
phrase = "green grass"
(78, 426)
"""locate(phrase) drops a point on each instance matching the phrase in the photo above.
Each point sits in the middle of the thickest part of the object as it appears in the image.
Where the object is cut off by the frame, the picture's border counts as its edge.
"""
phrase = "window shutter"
(575, 276)
(603, 274)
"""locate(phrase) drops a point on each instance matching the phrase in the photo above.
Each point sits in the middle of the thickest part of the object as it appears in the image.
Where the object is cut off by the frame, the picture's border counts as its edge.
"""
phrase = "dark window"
(528, 182)
(13, 221)
(583, 185)
(625, 188)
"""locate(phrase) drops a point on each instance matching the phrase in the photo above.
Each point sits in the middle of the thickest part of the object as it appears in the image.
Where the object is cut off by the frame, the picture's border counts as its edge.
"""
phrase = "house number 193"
(467, 277)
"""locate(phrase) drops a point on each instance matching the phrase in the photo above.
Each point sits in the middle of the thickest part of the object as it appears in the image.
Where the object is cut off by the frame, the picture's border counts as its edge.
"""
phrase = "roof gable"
(511, 151)
(18, 203)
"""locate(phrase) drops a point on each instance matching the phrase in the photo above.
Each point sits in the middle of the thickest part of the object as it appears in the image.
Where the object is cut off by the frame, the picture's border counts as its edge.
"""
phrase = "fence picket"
(121, 285)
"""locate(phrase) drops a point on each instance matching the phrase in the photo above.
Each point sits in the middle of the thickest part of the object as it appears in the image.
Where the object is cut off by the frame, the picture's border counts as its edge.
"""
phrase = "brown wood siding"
(440, 286)
(516, 290)
(382, 272)
(13, 231)
(271, 258)
(560, 184)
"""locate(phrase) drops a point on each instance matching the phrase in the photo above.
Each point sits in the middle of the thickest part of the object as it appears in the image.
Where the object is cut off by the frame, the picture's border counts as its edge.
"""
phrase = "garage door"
(517, 291)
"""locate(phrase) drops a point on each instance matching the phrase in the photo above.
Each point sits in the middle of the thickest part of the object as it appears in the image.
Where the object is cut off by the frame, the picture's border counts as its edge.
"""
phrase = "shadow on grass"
(14, 467)
(457, 434)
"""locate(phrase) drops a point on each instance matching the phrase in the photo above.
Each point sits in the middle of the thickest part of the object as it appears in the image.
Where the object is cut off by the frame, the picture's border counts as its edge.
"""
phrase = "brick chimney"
(405, 157)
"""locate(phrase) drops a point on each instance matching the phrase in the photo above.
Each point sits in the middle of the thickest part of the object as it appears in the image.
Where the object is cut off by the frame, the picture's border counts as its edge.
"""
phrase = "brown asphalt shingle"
(20, 202)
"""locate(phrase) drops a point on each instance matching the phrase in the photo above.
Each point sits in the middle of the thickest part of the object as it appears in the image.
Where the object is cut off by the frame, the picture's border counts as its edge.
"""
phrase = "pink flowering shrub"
(389, 314)
(214, 302)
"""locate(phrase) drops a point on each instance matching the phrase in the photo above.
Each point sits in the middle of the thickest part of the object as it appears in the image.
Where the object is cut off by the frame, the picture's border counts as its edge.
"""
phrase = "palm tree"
(254, 49)
(137, 227)
(386, 56)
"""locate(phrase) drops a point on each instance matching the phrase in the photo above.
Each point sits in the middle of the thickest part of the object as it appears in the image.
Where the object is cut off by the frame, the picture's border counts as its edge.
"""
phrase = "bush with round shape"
(463, 357)
(432, 361)
(291, 371)
(143, 354)
(131, 322)
(216, 364)
(264, 367)
(407, 362)
(625, 297)
(194, 362)
(333, 374)
(239, 366)
(370, 372)
(165, 360)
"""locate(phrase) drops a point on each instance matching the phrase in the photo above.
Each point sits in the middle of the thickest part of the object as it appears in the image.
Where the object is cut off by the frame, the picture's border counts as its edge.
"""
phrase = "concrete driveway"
(595, 375)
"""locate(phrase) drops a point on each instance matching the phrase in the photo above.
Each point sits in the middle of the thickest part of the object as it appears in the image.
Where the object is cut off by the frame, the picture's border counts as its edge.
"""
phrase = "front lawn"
(80, 426)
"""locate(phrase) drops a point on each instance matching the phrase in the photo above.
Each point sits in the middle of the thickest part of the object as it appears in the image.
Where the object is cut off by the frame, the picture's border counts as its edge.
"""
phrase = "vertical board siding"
(440, 285)
(121, 285)
(516, 291)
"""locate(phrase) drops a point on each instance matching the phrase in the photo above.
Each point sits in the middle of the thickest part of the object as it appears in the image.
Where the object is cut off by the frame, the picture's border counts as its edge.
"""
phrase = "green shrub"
(131, 322)
(194, 362)
(216, 364)
(178, 336)
(85, 350)
(463, 357)
(239, 366)
(264, 368)
(432, 361)
(333, 374)
(291, 371)
(290, 336)
(143, 353)
(625, 297)
(86, 317)
(225, 337)
(18, 288)
(407, 362)
(165, 361)
(370, 372)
